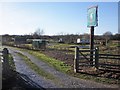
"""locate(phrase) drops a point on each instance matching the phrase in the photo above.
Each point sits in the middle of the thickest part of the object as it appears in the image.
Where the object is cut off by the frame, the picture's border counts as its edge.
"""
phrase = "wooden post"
(5, 60)
(5, 56)
(91, 44)
(97, 58)
(76, 63)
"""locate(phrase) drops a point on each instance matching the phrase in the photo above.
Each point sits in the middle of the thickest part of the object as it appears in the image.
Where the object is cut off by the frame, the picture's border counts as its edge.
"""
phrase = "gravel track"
(64, 80)
(27, 73)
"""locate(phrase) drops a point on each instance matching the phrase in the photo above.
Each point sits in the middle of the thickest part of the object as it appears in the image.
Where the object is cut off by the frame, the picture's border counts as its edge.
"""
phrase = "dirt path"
(29, 75)
(66, 81)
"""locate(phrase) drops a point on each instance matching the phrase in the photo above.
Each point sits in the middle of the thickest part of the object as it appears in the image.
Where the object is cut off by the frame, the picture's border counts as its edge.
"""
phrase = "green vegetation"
(57, 64)
(96, 79)
(59, 46)
(63, 46)
(61, 66)
(28, 45)
(37, 69)
(11, 68)
(11, 62)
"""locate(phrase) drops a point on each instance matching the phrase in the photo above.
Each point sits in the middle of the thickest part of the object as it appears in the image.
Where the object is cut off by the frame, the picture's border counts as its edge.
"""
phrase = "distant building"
(20, 40)
(78, 40)
(83, 41)
(29, 41)
(39, 44)
(60, 40)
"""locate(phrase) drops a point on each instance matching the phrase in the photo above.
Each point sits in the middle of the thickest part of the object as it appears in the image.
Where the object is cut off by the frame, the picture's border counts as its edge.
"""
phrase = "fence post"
(76, 62)
(97, 57)
(5, 60)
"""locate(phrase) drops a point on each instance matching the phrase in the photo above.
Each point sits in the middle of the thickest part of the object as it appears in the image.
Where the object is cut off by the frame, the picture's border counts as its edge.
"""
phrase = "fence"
(109, 62)
(83, 58)
(5, 62)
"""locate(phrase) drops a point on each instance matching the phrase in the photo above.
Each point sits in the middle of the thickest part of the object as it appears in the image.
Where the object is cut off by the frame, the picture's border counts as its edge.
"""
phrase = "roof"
(38, 40)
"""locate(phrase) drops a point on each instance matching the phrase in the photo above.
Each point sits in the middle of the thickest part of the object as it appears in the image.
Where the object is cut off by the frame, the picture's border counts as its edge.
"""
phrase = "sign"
(92, 16)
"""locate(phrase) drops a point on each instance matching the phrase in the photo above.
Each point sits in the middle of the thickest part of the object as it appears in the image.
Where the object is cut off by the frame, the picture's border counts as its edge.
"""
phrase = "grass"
(66, 47)
(37, 69)
(11, 68)
(60, 66)
(67, 69)
(57, 64)
(60, 46)
(28, 45)
(40, 71)
(11, 62)
(96, 79)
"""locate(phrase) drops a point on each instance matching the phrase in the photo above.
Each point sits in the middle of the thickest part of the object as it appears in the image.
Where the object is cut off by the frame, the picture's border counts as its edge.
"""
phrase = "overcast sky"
(55, 17)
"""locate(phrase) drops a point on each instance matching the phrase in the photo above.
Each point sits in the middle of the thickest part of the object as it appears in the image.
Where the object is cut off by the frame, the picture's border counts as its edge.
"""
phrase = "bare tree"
(107, 35)
(86, 36)
(39, 32)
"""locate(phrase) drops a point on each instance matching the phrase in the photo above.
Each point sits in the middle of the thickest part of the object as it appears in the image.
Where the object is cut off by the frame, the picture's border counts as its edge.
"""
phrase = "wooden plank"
(86, 62)
(85, 50)
(85, 65)
(109, 55)
(109, 65)
(109, 70)
(109, 58)
(87, 58)
(87, 54)
(76, 59)
(97, 57)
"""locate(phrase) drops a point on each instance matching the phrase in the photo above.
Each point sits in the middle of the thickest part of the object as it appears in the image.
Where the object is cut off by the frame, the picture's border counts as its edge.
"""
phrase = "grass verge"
(11, 69)
(11, 62)
(37, 69)
(57, 64)
(60, 66)
(40, 71)
(95, 78)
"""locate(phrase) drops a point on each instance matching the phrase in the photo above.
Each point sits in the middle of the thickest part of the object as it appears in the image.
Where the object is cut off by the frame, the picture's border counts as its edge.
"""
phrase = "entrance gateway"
(87, 58)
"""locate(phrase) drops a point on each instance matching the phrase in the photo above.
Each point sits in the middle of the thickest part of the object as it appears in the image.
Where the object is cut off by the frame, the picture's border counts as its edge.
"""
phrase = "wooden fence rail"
(83, 58)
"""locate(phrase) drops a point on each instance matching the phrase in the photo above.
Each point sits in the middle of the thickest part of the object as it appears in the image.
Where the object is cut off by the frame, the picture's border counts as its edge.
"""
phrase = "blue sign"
(92, 16)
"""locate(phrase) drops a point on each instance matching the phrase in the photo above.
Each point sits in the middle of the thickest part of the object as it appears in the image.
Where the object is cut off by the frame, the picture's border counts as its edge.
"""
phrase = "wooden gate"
(84, 60)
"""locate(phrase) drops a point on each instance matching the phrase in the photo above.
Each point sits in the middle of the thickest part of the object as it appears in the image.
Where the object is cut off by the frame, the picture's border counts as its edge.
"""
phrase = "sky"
(19, 18)
(119, 17)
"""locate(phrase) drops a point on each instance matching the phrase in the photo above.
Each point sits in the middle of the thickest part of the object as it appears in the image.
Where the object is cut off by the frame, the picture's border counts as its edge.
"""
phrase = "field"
(66, 52)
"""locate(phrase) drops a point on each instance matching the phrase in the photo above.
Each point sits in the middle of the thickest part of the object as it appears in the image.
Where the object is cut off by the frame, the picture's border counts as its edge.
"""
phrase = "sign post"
(91, 44)
(92, 17)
